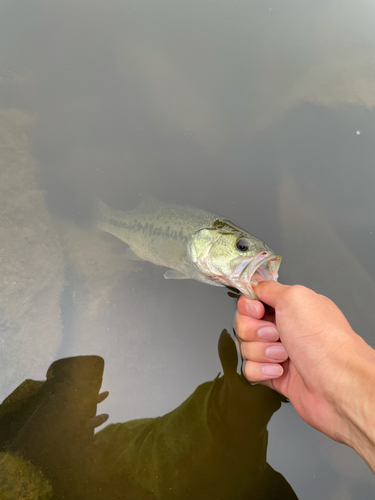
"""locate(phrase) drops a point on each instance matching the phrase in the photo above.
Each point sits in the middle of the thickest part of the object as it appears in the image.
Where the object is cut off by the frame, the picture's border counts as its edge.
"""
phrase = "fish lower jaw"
(248, 280)
(242, 281)
(243, 285)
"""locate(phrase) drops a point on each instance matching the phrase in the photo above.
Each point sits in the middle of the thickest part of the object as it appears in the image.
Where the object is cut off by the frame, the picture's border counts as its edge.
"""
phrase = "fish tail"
(102, 214)
(102, 208)
(110, 221)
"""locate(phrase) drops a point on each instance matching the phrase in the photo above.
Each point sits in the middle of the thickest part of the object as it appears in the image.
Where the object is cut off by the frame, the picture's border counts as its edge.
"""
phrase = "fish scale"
(157, 232)
(192, 243)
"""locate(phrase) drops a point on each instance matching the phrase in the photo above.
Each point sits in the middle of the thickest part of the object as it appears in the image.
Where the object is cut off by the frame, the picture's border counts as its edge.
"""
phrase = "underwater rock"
(31, 261)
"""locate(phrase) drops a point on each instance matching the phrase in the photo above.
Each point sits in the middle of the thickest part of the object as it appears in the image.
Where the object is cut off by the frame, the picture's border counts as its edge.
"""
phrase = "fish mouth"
(264, 267)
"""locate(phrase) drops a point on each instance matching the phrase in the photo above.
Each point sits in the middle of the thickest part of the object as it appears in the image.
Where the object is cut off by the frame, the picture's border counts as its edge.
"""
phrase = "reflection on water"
(212, 446)
(330, 268)
(249, 110)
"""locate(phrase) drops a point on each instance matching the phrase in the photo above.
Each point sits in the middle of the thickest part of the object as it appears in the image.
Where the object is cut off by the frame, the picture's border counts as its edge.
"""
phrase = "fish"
(192, 243)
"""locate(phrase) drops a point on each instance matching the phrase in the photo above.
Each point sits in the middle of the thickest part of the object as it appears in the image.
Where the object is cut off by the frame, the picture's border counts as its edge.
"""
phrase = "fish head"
(231, 256)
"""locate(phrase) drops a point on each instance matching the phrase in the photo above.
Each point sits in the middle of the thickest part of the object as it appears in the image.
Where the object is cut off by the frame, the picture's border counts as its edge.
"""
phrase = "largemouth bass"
(193, 243)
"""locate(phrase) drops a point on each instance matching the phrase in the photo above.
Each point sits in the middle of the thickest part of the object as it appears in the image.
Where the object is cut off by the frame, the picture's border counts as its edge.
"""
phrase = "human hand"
(320, 363)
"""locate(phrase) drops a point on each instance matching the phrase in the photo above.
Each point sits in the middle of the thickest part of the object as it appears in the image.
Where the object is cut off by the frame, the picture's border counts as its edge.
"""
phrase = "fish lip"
(271, 257)
(252, 267)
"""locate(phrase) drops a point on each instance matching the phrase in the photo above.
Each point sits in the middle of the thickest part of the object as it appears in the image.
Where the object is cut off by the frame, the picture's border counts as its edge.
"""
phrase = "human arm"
(327, 370)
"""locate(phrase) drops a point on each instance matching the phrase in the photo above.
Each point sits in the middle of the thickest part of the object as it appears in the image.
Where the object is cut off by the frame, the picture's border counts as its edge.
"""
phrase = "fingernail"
(272, 370)
(252, 309)
(276, 352)
(268, 333)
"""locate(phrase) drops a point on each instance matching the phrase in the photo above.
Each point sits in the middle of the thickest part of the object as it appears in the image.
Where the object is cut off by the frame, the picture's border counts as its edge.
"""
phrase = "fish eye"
(242, 245)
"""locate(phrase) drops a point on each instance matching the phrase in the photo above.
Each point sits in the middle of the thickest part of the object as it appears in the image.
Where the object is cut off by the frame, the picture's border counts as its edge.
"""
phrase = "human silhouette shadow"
(213, 446)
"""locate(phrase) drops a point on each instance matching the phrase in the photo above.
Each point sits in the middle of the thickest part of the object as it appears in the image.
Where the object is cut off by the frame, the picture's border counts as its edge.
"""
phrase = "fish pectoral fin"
(172, 274)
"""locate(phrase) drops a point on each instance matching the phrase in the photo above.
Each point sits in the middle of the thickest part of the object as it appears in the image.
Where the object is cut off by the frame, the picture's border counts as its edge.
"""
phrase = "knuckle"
(245, 350)
(249, 370)
(296, 293)
(241, 326)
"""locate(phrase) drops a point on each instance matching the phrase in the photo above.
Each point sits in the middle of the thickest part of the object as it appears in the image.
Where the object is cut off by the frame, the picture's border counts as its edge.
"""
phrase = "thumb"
(269, 291)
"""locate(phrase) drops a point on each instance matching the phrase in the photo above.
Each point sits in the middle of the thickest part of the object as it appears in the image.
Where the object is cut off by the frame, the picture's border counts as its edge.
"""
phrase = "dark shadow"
(213, 446)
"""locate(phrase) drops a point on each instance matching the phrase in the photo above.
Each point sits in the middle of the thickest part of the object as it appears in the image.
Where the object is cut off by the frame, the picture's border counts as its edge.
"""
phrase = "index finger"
(269, 291)
(250, 307)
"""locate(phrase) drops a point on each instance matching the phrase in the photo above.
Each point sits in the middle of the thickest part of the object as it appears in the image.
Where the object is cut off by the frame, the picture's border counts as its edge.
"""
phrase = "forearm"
(357, 404)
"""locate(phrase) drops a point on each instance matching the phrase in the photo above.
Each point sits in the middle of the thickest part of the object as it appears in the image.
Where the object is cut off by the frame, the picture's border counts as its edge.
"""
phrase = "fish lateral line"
(148, 229)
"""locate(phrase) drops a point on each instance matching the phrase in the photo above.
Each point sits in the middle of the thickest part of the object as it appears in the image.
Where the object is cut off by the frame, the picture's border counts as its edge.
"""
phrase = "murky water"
(262, 112)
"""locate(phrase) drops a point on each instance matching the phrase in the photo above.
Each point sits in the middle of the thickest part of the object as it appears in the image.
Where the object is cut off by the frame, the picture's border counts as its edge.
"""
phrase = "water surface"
(258, 111)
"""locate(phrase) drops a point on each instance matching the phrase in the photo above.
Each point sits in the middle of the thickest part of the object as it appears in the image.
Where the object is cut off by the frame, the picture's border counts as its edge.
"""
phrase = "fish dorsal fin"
(148, 201)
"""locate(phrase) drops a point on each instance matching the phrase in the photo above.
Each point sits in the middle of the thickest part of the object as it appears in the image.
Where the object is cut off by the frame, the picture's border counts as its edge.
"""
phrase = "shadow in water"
(213, 446)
